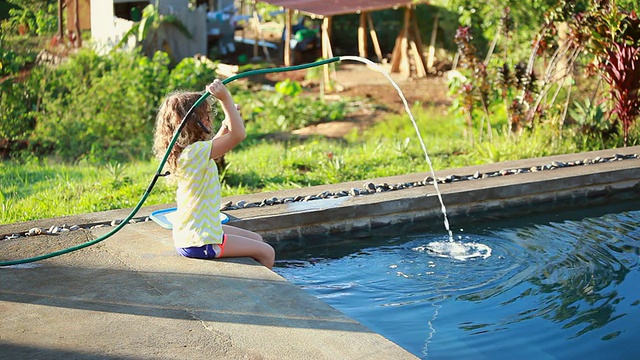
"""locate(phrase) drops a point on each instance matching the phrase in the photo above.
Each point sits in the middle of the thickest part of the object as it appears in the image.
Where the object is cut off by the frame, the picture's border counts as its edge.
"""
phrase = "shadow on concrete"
(167, 295)
(35, 353)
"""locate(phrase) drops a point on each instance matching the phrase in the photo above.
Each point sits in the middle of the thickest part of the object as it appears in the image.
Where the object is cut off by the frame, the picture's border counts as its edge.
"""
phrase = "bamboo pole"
(287, 39)
(326, 50)
(374, 38)
(76, 24)
(362, 37)
(404, 42)
(256, 36)
(416, 45)
(417, 60)
(60, 20)
(432, 43)
(395, 54)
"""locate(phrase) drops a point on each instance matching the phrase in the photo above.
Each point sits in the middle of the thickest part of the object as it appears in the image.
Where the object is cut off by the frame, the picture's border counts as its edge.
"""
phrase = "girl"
(197, 231)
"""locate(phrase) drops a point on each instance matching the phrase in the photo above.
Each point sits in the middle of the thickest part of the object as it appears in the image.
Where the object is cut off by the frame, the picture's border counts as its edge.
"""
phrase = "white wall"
(180, 46)
(107, 30)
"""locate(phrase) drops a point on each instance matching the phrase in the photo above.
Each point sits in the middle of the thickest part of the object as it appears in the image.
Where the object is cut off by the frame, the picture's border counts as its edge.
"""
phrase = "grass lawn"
(42, 188)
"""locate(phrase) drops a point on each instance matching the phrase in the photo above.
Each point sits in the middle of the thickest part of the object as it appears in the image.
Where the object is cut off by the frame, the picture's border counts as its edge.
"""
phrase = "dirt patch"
(376, 98)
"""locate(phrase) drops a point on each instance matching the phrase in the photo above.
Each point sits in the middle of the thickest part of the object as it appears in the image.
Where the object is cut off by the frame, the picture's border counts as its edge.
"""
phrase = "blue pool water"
(563, 286)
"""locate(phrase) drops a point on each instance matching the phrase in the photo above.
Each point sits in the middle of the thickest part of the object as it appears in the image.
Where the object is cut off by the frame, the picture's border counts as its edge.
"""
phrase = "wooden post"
(330, 50)
(408, 40)
(395, 54)
(326, 49)
(417, 60)
(287, 39)
(256, 35)
(76, 24)
(415, 30)
(416, 45)
(404, 42)
(324, 40)
(432, 43)
(60, 20)
(374, 38)
(362, 37)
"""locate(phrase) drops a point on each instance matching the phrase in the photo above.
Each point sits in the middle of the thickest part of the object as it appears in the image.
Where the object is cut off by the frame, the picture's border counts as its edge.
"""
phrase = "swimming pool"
(561, 286)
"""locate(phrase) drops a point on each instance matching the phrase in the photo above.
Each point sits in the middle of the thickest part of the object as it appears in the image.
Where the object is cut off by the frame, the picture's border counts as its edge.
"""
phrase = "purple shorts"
(209, 251)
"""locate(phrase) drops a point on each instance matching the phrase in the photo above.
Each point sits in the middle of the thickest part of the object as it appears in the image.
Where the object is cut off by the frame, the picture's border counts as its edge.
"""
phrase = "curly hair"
(170, 115)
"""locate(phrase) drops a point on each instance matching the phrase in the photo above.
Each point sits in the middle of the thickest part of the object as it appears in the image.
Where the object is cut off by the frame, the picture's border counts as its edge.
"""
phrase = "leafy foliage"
(623, 76)
(265, 164)
(192, 73)
(286, 109)
(538, 91)
(32, 17)
(19, 105)
(101, 108)
(90, 111)
(9, 62)
(616, 44)
(590, 118)
(94, 107)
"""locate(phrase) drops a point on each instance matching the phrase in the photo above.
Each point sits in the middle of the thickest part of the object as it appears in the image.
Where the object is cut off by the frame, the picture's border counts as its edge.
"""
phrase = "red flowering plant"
(622, 68)
(616, 44)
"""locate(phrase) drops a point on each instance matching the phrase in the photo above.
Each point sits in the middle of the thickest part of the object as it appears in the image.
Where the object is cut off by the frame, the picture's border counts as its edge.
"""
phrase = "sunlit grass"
(36, 189)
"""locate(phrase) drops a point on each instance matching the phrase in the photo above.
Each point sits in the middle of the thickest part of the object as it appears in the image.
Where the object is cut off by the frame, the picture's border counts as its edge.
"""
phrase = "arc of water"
(415, 126)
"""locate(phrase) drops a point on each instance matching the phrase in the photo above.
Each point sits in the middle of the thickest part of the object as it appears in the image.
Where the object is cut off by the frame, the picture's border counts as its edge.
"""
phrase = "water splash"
(415, 126)
(456, 250)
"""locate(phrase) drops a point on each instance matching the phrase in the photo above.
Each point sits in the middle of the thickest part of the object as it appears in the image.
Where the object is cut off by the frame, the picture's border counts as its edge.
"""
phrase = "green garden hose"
(164, 160)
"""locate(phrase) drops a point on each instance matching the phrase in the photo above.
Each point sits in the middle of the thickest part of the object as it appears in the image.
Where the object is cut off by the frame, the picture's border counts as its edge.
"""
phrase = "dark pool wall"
(503, 189)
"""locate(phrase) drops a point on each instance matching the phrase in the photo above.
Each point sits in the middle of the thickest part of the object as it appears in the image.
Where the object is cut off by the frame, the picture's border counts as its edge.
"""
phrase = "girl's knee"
(268, 256)
(238, 245)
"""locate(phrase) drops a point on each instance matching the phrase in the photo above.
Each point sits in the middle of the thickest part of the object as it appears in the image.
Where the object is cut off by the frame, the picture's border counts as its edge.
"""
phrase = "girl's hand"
(219, 91)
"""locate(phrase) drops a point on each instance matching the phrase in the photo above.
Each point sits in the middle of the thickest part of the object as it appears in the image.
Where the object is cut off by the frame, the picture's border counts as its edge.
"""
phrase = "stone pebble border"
(368, 188)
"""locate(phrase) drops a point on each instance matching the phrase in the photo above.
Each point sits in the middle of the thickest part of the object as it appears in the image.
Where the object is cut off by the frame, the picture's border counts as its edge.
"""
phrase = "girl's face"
(207, 121)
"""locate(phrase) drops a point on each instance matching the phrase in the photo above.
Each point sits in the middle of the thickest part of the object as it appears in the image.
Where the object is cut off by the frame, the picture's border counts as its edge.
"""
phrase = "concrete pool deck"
(132, 297)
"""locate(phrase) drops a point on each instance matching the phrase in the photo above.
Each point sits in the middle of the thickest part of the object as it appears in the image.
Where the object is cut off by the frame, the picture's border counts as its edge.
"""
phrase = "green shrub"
(286, 109)
(192, 74)
(101, 107)
(9, 62)
(17, 118)
(32, 17)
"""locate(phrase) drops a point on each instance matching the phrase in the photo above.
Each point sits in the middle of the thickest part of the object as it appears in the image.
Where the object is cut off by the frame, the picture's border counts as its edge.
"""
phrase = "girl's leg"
(240, 246)
(232, 230)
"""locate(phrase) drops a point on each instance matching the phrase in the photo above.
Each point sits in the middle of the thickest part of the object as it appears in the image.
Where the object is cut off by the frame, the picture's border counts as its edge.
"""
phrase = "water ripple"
(551, 283)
